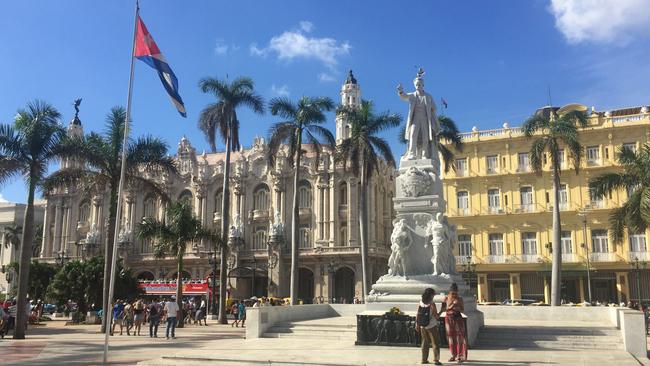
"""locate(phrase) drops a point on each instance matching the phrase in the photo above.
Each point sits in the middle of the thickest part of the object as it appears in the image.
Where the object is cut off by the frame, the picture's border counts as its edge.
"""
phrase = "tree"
(634, 214)
(448, 133)
(27, 148)
(172, 235)
(13, 234)
(221, 118)
(550, 132)
(40, 275)
(363, 152)
(100, 172)
(302, 119)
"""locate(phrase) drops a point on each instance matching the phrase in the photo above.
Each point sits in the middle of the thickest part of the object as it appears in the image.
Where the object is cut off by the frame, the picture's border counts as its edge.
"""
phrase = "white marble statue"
(422, 123)
(277, 227)
(437, 232)
(400, 242)
(235, 228)
(92, 237)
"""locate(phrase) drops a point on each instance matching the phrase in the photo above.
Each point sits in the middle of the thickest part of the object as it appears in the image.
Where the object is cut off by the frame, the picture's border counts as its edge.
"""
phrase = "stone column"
(58, 226)
(46, 233)
(482, 289)
(582, 290)
(622, 287)
(515, 286)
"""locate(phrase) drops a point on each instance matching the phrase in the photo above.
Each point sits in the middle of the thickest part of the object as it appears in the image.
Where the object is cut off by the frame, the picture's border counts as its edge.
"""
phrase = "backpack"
(424, 315)
(153, 310)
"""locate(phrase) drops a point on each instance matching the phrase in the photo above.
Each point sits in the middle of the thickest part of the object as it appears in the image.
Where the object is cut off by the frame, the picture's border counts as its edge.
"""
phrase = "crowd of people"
(8, 310)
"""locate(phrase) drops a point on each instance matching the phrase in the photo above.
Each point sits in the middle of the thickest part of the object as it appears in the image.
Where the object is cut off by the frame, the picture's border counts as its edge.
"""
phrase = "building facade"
(503, 213)
(260, 196)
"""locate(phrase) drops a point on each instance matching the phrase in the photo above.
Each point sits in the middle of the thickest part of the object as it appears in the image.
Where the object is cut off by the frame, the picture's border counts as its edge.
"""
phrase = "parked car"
(49, 308)
(518, 302)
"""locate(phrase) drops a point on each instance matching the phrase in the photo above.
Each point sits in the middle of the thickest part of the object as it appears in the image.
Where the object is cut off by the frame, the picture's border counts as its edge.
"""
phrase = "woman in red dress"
(455, 325)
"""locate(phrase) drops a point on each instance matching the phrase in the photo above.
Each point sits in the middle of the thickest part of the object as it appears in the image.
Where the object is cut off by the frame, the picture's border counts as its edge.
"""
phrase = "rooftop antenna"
(550, 101)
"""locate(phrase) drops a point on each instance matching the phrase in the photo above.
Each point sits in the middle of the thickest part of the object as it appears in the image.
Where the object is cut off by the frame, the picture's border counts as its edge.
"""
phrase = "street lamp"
(638, 265)
(212, 259)
(583, 215)
(469, 270)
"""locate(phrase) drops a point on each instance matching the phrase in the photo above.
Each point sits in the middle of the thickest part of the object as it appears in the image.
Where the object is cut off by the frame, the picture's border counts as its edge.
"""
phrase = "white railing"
(523, 169)
(603, 257)
(492, 210)
(593, 162)
(630, 118)
(641, 256)
(498, 132)
(463, 259)
(570, 258)
(495, 259)
(529, 258)
(460, 212)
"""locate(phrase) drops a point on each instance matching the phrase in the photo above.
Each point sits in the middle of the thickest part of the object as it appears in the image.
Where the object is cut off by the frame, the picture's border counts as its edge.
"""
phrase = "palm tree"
(448, 133)
(101, 155)
(27, 148)
(221, 118)
(634, 214)
(12, 236)
(362, 151)
(301, 120)
(173, 234)
(550, 132)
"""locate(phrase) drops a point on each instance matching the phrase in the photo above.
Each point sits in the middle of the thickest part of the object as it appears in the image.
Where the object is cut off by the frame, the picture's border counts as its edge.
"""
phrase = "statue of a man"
(400, 243)
(422, 124)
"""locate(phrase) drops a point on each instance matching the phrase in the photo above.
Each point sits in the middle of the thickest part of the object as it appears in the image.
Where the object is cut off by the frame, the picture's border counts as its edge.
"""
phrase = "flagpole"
(108, 313)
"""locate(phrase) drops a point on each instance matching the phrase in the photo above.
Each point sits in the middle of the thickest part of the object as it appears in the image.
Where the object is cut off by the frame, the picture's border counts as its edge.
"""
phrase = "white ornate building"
(330, 259)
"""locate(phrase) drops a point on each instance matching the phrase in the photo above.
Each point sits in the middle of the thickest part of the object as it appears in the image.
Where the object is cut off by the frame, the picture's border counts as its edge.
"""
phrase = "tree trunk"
(180, 320)
(108, 255)
(556, 271)
(25, 259)
(363, 230)
(293, 293)
(225, 217)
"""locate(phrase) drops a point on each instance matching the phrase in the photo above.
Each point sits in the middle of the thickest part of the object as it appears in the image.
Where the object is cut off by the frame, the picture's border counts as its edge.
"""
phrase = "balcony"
(461, 173)
(641, 256)
(603, 257)
(495, 259)
(494, 210)
(595, 205)
(527, 208)
(523, 169)
(260, 214)
(460, 212)
(463, 259)
(570, 258)
(594, 162)
(528, 258)
(304, 212)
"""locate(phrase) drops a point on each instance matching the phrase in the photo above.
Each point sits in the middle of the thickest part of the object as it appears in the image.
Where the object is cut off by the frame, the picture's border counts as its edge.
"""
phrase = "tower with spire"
(351, 97)
(75, 130)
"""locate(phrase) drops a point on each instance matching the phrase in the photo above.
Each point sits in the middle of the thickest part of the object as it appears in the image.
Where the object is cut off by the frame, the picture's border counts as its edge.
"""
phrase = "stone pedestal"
(275, 265)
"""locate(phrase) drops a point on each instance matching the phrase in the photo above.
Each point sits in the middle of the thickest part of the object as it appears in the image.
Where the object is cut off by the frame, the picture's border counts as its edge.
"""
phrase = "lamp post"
(637, 266)
(212, 259)
(469, 269)
(583, 215)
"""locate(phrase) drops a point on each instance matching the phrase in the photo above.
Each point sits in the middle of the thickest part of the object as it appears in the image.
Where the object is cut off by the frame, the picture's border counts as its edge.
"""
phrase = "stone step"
(554, 332)
(499, 343)
(302, 330)
(547, 336)
(330, 336)
(310, 325)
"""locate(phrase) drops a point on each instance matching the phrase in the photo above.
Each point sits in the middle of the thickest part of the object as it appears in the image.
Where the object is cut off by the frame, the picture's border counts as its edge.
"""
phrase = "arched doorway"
(305, 285)
(146, 276)
(343, 285)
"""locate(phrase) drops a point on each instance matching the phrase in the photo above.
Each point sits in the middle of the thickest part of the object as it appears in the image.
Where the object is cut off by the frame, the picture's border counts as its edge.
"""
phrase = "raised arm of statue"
(401, 94)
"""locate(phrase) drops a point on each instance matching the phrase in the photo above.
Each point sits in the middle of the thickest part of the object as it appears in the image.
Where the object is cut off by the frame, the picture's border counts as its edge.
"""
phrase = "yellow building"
(503, 213)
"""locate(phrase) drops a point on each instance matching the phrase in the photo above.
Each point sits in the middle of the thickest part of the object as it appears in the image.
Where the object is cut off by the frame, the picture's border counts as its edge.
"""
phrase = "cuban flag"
(146, 50)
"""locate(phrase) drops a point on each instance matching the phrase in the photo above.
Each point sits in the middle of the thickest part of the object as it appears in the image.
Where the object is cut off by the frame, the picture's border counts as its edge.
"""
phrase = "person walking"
(10, 319)
(138, 315)
(118, 316)
(242, 313)
(153, 311)
(171, 312)
(128, 318)
(426, 322)
(455, 325)
(201, 313)
(235, 312)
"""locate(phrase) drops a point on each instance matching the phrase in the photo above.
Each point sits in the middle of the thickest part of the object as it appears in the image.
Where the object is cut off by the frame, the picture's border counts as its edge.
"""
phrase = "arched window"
(304, 236)
(304, 195)
(150, 207)
(261, 198)
(218, 201)
(84, 212)
(344, 236)
(259, 238)
(343, 194)
(186, 195)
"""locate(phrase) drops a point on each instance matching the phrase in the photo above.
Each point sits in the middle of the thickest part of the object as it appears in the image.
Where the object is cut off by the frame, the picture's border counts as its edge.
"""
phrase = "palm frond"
(606, 183)
(536, 153)
(535, 123)
(283, 107)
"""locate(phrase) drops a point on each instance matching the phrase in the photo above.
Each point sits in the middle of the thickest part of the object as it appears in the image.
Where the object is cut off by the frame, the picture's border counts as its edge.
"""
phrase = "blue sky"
(491, 61)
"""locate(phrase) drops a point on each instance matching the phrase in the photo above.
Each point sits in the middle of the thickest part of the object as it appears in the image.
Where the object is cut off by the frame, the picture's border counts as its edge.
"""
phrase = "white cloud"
(325, 77)
(282, 90)
(292, 45)
(306, 26)
(2, 199)
(222, 48)
(603, 21)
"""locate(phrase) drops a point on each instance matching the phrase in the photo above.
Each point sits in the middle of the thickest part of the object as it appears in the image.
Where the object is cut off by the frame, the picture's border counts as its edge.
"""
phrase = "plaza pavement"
(57, 344)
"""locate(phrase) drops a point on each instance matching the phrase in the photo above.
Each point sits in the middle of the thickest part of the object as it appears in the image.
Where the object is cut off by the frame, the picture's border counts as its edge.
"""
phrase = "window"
(150, 207)
(461, 167)
(304, 237)
(565, 240)
(492, 163)
(261, 198)
(564, 198)
(465, 245)
(630, 146)
(522, 162)
(637, 243)
(304, 195)
(560, 158)
(259, 238)
(495, 242)
(594, 200)
(218, 202)
(84, 212)
(343, 194)
(344, 236)
(593, 155)
(462, 199)
(599, 241)
(526, 194)
(186, 195)
(493, 200)
(529, 243)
